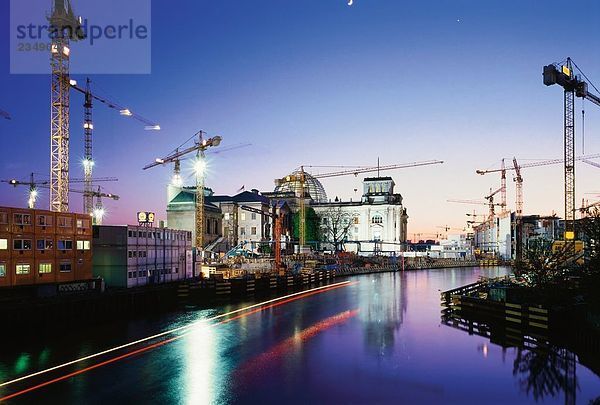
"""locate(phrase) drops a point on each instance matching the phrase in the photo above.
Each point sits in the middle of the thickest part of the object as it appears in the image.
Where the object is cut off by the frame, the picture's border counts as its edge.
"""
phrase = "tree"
(590, 229)
(312, 225)
(542, 264)
(335, 225)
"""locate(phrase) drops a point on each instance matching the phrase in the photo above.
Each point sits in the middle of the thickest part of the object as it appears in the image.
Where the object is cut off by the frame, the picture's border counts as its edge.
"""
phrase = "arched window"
(377, 219)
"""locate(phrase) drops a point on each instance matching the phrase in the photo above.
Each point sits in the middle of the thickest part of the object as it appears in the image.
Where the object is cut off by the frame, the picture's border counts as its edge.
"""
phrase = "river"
(378, 339)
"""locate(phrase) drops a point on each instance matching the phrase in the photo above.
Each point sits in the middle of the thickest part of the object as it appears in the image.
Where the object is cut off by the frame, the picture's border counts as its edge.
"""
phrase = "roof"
(377, 178)
(243, 197)
(187, 196)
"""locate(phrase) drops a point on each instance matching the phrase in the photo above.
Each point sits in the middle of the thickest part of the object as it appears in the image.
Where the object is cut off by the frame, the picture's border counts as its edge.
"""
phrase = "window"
(2, 269)
(253, 216)
(83, 245)
(3, 218)
(253, 230)
(23, 269)
(242, 231)
(45, 268)
(130, 234)
(130, 254)
(44, 220)
(356, 220)
(377, 219)
(44, 244)
(3, 244)
(65, 222)
(22, 244)
(226, 216)
(22, 219)
(243, 216)
(65, 245)
(65, 267)
(82, 223)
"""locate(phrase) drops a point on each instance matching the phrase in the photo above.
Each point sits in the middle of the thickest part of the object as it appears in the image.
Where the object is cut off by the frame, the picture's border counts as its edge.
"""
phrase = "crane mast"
(88, 162)
(64, 27)
(573, 86)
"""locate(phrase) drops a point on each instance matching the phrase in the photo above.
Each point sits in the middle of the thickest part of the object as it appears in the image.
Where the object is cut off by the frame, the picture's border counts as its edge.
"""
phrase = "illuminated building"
(44, 247)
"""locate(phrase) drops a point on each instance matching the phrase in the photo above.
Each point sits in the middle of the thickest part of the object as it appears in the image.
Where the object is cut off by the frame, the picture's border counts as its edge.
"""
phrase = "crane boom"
(373, 169)
(540, 163)
(5, 115)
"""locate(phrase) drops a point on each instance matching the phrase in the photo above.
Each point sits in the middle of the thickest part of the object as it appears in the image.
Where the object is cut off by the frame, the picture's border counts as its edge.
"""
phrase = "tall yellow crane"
(563, 74)
(200, 146)
(64, 27)
(300, 178)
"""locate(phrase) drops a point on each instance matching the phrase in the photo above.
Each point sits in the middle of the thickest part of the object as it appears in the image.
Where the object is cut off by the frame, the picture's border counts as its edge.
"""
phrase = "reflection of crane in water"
(382, 307)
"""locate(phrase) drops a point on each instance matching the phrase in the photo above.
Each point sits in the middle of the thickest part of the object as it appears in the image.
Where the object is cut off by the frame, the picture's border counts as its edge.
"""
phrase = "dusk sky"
(318, 82)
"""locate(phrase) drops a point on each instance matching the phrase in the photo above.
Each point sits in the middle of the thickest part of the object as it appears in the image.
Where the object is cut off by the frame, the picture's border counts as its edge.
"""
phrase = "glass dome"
(313, 187)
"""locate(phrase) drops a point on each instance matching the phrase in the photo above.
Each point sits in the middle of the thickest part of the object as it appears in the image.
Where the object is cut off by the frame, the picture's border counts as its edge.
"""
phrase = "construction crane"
(64, 27)
(519, 211)
(88, 128)
(199, 147)
(5, 115)
(33, 186)
(548, 162)
(277, 232)
(489, 203)
(300, 177)
(563, 75)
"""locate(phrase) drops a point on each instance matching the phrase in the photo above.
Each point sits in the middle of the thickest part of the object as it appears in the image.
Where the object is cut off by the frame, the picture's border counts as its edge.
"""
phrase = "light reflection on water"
(379, 341)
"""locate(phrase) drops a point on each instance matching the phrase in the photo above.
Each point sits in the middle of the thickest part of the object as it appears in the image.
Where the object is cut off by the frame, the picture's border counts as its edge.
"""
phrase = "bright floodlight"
(200, 166)
(152, 127)
(87, 163)
(73, 82)
(216, 141)
(159, 160)
(177, 181)
(126, 112)
(99, 214)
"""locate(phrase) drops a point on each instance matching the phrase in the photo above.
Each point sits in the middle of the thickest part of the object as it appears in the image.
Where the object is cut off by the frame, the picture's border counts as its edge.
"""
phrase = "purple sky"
(319, 82)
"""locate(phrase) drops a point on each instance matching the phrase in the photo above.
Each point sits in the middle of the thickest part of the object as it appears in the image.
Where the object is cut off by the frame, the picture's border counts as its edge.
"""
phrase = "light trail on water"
(255, 308)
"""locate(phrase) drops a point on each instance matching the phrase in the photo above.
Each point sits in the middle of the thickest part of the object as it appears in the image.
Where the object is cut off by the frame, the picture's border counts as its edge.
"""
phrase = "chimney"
(255, 191)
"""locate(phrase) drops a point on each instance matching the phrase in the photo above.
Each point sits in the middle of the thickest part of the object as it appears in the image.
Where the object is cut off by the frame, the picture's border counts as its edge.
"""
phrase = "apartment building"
(44, 247)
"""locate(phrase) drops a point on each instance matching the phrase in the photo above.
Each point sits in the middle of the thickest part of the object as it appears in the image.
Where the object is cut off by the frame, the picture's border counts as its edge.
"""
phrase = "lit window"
(226, 216)
(22, 244)
(3, 244)
(83, 245)
(45, 268)
(356, 220)
(243, 216)
(2, 269)
(23, 269)
(65, 267)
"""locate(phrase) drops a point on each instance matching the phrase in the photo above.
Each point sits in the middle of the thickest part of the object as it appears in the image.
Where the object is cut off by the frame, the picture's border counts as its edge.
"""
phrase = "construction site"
(296, 227)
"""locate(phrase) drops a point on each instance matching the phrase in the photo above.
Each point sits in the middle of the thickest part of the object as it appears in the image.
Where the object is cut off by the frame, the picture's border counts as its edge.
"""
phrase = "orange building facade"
(44, 247)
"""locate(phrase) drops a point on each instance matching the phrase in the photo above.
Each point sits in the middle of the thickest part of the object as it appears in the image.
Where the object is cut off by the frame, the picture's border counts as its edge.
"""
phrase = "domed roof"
(312, 185)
